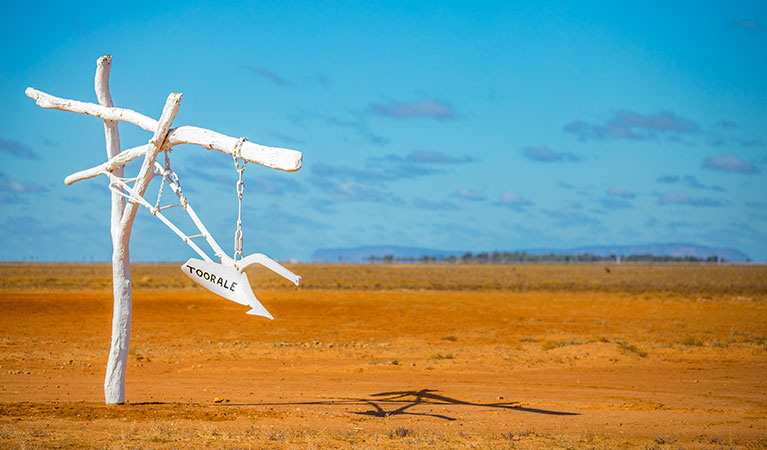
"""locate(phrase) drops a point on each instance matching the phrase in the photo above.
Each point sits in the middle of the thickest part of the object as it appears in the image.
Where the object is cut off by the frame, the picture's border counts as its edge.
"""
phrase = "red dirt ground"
(610, 366)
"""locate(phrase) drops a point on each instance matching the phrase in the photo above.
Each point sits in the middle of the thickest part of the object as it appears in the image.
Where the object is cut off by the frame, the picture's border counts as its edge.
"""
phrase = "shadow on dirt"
(431, 397)
(386, 404)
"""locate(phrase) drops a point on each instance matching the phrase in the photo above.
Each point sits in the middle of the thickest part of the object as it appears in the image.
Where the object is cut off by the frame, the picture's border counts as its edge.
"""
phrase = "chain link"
(165, 174)
(167, 159)
(240, 191)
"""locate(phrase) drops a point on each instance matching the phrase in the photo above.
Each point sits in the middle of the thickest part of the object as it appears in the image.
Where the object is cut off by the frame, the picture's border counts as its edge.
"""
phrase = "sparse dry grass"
(698, 282)
(186, 435)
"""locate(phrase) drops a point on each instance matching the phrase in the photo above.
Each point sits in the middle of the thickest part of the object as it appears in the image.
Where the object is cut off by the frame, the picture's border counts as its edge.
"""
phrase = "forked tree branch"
(119, 160)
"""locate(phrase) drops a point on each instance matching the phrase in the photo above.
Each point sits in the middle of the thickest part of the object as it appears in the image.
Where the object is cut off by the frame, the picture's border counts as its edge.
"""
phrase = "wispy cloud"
(207, 160)
(285, 138)
(280, 221)
(82, 230)
(17, 149)
(726, 124)
(718, 140)
(273, 185)
(513, 200)
(689, 181)
(567, 217)
(75, 199)
(352, 191)
(421, 203)
(692, 182)
(267, 74)
(627, 124)
(391, 167)
(618, 198)
(267, 184)
(12, 186)
(468, 194)
(18, 187)
(668, 179)
(744, 24)
(616, 203)
(457, 231)
(425, 108)
(729, 163)
(620, 192)
(14, 191)
(681, 198)
(360, 126)
(427, 157)
(546, 154)
(353, 121)
(380, 173)
(327, 170)
(752, 141)
(408, 171)
(10, 199)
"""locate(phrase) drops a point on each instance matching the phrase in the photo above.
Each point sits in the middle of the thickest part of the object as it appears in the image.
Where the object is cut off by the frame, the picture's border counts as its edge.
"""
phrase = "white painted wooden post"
(114, 382)
(123, 214)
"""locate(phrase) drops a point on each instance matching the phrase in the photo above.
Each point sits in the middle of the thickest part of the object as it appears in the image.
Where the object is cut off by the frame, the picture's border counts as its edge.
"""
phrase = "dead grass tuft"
(630, 348)
(518, 435)
(400, 432)
(440, 356)
(692, 341)
(551, 345)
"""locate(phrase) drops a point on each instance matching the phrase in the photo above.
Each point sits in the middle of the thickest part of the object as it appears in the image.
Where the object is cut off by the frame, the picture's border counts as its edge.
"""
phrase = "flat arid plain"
(387, 356)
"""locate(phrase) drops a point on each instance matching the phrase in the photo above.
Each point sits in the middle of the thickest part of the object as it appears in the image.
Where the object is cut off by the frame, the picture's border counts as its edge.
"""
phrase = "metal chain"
(240, 191)
(167, 159)
(165, 174)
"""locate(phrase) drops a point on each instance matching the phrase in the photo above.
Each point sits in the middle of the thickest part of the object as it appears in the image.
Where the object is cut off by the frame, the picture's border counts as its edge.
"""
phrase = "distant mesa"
(381, 252)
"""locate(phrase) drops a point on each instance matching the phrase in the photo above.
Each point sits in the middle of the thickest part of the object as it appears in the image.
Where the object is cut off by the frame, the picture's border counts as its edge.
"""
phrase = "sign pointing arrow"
(225, 281)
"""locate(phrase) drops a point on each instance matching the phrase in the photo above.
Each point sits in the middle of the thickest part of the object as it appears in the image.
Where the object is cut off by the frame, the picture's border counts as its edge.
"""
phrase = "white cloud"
(729, 163)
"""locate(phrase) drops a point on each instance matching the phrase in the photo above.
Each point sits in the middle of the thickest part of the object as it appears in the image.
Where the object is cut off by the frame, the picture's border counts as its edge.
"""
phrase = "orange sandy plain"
(366, 356)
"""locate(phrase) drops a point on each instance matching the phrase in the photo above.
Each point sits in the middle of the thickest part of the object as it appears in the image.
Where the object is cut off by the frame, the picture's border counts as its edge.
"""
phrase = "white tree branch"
(120, 160)
(147, 168)
(102, 112)
(274, 157)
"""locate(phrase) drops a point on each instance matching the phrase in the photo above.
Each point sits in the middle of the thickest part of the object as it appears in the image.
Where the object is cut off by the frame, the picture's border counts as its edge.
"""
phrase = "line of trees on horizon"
(498, 257)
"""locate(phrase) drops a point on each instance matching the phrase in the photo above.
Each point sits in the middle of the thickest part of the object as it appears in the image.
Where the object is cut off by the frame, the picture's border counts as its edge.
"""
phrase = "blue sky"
(449, 125)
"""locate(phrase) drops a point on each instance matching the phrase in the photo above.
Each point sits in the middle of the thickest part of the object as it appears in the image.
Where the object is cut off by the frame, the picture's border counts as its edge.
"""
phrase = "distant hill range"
(363, 254)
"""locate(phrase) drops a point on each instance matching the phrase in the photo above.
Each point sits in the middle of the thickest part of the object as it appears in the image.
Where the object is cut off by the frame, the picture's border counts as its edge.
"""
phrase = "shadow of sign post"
(395, 403)
(431, 397)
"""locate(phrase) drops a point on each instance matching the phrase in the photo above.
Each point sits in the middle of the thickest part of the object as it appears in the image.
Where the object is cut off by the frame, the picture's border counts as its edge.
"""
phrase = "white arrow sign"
(225, 281)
